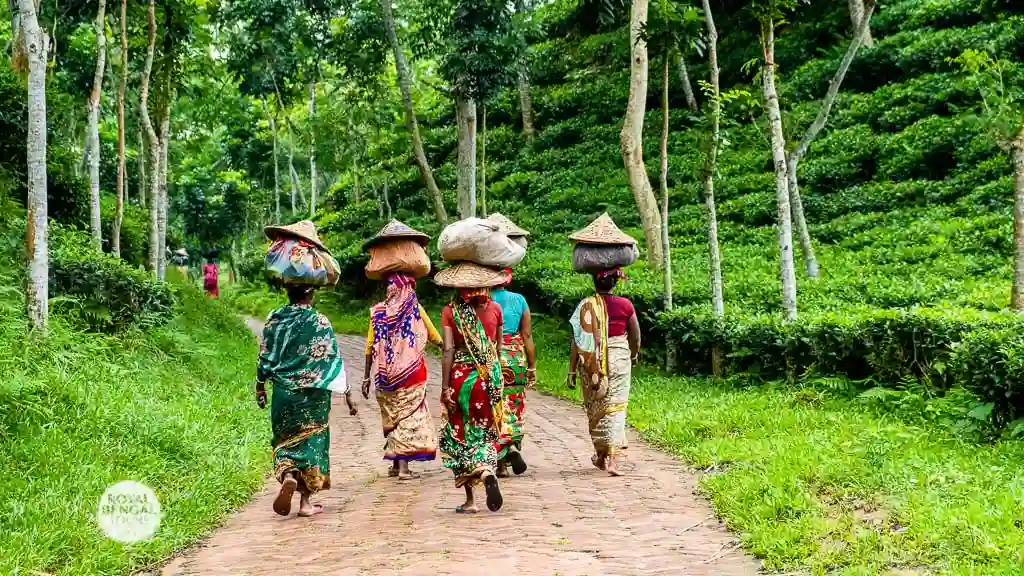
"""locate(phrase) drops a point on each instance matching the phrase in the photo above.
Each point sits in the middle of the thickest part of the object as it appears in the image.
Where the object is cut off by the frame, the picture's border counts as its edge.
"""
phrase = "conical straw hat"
(305, 230)
(507, 226)
(395, 230)
(602, 231)
(469, 275)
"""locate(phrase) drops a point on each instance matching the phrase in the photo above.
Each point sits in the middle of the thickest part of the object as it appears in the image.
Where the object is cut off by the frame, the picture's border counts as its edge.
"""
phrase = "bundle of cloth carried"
(488, 356)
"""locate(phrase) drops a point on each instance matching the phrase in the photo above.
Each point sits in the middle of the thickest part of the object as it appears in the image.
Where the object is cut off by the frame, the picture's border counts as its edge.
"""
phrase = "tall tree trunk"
(37, 289)
(684, 79)
(312, 150)
(1017, 153)
(778, 140)
(93, 150)
(523, 87)
(710, 165)
(296, 186)
(277, 182)
(154, 146)
(793, 160)
(466, 117)
(115, 230)
(858, 11)
(663, 181)
(165, 144)
(631, 137)
(436, 197)
(355, 175)
(380, 199)
(141, 160)
(483, 160)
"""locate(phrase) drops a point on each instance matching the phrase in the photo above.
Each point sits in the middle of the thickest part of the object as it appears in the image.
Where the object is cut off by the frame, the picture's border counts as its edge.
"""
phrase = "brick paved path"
(563, 517)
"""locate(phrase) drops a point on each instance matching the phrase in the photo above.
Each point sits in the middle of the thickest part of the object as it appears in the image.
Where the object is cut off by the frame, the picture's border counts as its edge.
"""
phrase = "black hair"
(605, 283)
(297, 294)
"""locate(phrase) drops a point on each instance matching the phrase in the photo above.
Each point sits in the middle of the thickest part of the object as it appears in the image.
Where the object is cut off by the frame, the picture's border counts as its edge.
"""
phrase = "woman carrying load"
(518, 370)
(299, 357)
(398, 333)
(471, 385)
(606, 338)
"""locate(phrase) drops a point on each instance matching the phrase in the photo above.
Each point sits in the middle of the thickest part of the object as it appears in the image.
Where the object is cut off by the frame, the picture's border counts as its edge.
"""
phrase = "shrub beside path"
(563, 517)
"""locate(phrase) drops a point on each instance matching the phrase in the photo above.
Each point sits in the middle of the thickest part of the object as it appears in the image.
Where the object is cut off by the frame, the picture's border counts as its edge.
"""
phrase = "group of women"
(488, 364)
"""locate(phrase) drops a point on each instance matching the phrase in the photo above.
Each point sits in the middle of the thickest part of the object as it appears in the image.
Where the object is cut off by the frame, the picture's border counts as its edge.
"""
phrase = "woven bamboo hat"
(602, 231)
(469, 275)
(396, 230)
(507, 226)
(305, 230)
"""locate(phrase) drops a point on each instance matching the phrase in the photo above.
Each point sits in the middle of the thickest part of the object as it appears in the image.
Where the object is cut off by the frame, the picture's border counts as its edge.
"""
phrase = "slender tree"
(778, 143)
(92, 150)
(115, 234)
(684, 79)
(404, 86)
(858, 13)
(523, 81)
(483, 160)
(663, 183)
(272, 121)
(154, 145)
(861, 33)
(35, 44)
(465, 115)
(312, 149)
(631, 137)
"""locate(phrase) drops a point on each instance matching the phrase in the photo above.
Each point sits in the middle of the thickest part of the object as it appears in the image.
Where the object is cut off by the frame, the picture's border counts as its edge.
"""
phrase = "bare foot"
(283, 501)
(408, 475)
(612, 468)
(393, 472)
(312, 510)
(466, 509)
(597, 461)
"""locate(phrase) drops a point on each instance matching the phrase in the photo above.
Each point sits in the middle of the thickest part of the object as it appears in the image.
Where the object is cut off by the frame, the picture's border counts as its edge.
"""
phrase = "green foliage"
(482, 48)
(170, 407)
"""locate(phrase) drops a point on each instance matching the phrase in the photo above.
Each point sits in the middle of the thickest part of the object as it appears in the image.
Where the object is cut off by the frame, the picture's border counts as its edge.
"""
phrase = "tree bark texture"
(165, 144)
(663, 181)
(404, 86)
(1017, 152)
(466, 118)
(312, 150)
(778, 142)
(858, 10)
(794, 158)
(115, 230)
(154, 145)
(277, 177)
(684, 79)
(483, 161)
(92, 151)
(710, 165)
(523, 87)
(37, 289)
(292, 173)
(387, 198)
(631, 138)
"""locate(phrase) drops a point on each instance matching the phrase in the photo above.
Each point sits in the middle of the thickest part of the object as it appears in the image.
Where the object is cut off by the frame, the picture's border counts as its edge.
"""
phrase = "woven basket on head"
(602, 231)
(470, 275)
(305, 230)
(396, 230)
(507, 226)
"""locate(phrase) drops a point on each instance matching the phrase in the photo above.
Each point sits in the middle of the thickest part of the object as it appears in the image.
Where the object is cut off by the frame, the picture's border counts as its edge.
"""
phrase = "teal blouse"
(513, 306)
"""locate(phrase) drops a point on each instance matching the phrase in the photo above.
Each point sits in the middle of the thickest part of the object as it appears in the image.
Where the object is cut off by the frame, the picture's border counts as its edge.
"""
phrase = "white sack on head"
(481, 242)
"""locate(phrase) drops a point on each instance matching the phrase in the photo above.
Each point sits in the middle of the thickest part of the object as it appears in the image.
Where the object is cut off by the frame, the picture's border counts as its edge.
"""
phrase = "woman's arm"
(633, 330)
(448, 359)
(574, 360)
(526, 330)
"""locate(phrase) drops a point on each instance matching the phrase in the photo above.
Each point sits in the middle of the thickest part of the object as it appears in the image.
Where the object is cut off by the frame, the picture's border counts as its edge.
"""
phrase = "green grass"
(171, 408)
(812, 480)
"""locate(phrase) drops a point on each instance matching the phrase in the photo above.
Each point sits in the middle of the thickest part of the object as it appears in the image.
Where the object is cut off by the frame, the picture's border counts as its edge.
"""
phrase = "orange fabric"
(405, 256)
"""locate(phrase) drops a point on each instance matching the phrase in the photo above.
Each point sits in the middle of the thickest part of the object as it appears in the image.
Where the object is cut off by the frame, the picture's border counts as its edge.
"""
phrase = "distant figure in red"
(210, 274)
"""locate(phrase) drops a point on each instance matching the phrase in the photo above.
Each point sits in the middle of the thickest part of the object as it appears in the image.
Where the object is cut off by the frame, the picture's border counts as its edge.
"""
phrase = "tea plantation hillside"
(908, 197)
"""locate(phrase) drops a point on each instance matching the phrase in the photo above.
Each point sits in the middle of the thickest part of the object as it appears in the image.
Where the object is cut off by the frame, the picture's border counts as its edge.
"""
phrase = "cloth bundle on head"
(297, 256)
(515, 233)
(602, 246)
(397, 248)
(399, 334)
(481, 242)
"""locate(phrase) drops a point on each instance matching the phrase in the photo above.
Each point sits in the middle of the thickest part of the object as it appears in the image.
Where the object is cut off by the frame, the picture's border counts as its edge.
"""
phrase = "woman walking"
(299, 357)
(518, 371)
(395, 365)
(471, 386)
(606, 343)
(211, 275)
